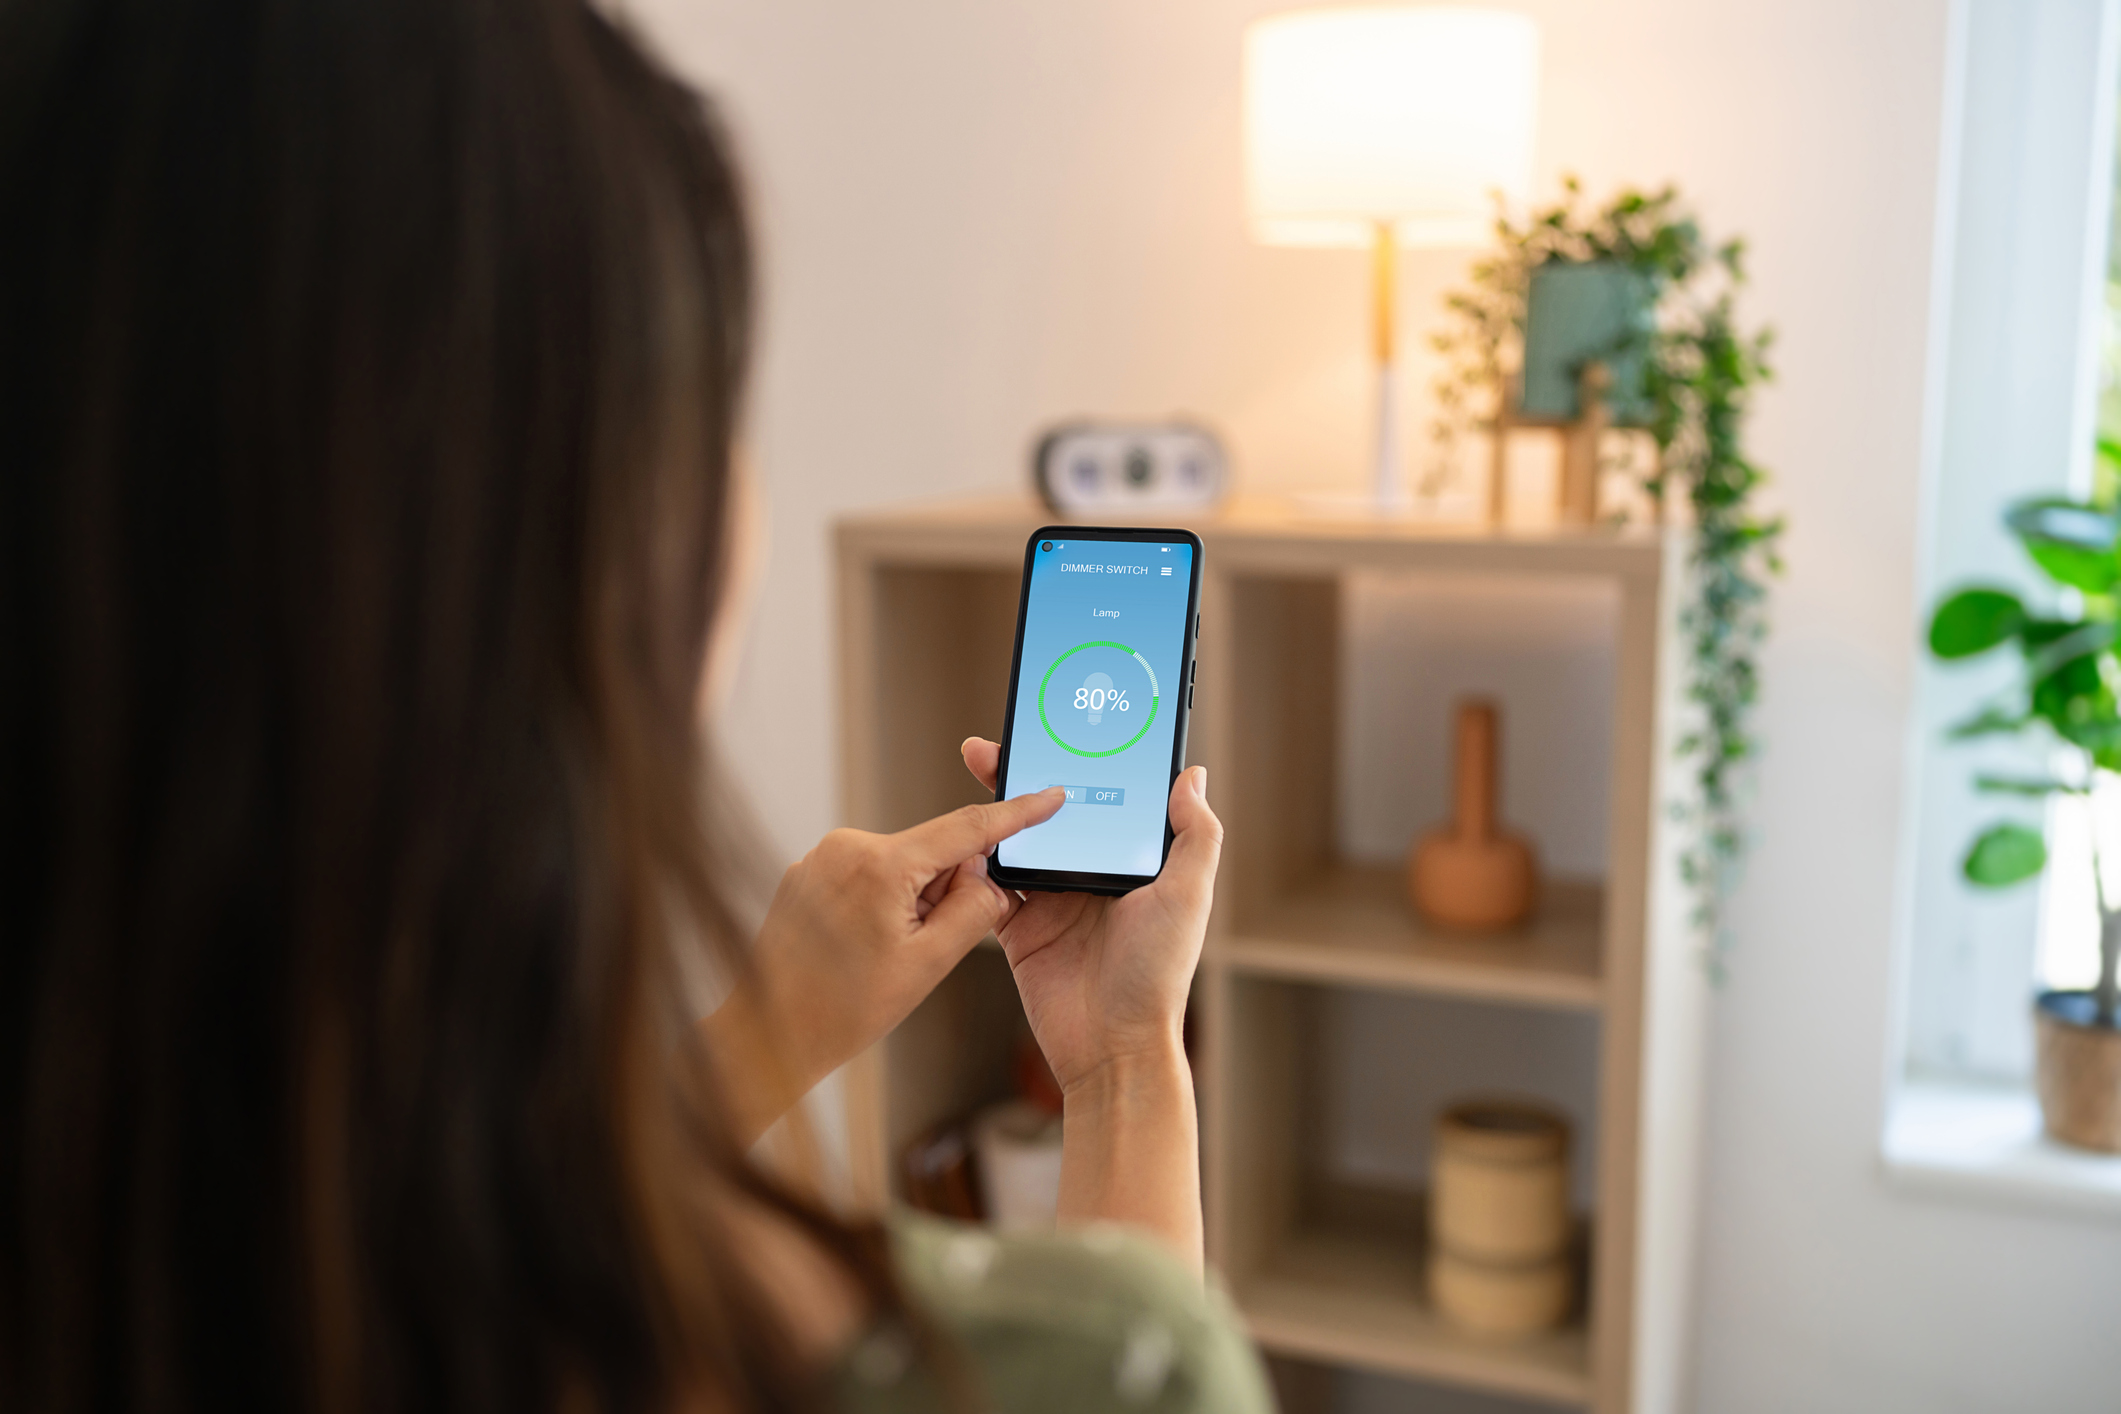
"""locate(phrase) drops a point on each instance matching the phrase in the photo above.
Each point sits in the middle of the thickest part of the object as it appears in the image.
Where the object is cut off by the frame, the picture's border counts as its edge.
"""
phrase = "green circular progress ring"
(1155, 697)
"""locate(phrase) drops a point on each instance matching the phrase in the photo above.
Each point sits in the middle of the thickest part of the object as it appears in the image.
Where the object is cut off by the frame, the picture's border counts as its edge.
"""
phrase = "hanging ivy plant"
(1699, 368)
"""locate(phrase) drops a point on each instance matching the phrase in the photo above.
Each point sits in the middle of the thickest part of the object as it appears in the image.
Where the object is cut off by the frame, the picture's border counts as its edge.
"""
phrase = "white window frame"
(2019, 282)
(2025, 190)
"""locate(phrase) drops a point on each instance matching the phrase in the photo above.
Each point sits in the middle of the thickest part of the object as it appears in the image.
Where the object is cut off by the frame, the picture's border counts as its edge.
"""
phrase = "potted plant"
(2063, 705)
(1576, 310)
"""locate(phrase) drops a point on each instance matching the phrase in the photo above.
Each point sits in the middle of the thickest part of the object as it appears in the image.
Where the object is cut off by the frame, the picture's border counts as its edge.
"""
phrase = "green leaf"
(2092, 571)
(2069, 689)
(2065, 522)
(1974, 621)
(2106, 468)
(2004, 855)
(2019, 785)
(2073, 708)
(2071, 541)
(1989, 721)
(2053, 645)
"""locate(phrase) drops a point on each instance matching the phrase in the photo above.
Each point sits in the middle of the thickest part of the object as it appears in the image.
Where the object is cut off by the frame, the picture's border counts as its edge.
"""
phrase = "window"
(2068, 956)
(2021, 322)
(2025, 368)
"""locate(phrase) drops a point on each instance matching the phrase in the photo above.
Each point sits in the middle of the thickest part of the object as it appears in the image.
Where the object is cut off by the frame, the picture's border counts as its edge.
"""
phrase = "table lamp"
(1387, 126)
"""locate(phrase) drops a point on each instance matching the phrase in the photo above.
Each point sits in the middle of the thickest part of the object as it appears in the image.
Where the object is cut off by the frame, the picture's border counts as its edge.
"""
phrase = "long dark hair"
(367, 378)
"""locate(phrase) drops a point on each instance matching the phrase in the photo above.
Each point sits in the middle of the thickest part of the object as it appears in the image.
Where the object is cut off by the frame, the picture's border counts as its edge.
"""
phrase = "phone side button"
(1189, 699)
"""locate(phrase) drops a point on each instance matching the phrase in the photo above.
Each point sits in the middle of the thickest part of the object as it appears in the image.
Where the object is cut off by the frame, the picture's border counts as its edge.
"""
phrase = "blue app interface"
(1097, 702)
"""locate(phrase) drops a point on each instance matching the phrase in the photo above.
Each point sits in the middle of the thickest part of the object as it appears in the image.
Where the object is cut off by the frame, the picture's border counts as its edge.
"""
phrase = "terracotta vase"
(1472, 874)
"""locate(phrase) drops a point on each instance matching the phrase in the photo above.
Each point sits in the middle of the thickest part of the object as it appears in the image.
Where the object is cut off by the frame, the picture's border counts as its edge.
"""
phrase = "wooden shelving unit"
(1324, 1271)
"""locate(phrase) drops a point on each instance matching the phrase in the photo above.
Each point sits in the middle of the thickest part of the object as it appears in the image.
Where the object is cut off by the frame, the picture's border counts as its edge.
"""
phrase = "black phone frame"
(1068, 880)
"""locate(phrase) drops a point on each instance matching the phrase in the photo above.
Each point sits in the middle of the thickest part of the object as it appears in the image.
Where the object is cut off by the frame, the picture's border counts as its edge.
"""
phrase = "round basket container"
(1499, 1226)
(1498, 1298)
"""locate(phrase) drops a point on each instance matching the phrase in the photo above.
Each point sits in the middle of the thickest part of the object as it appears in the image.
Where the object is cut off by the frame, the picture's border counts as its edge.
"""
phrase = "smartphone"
(1100, 694)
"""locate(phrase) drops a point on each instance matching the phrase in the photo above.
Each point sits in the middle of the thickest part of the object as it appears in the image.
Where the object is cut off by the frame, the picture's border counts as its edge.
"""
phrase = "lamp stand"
(1389, 483)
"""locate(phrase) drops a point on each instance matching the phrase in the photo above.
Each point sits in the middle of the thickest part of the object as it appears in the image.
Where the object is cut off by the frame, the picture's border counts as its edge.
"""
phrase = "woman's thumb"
(972, 907)
(1198, 842)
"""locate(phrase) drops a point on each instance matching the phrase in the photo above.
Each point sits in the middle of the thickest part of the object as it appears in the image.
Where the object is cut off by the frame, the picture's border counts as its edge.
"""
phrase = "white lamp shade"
(1414, 115)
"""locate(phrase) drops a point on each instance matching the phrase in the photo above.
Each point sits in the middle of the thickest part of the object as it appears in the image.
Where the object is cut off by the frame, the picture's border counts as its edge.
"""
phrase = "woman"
(367, 376)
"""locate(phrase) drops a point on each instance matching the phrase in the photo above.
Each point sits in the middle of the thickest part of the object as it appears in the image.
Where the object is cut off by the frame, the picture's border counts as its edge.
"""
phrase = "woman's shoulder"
(1091, 1318)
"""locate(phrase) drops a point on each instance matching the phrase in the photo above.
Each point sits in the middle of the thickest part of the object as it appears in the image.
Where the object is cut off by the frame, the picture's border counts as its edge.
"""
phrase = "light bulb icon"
(1092, 685)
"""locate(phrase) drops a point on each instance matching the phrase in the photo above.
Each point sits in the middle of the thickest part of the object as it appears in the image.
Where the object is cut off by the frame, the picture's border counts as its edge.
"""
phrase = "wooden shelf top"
(1267, 535)
(1352, 927)
(1342, 1295)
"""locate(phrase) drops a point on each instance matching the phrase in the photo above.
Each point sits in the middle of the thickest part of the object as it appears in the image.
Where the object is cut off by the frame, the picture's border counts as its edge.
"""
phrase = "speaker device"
(1117, 467)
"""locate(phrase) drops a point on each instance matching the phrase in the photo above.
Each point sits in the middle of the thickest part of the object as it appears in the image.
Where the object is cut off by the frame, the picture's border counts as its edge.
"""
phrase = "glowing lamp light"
(1384, 126)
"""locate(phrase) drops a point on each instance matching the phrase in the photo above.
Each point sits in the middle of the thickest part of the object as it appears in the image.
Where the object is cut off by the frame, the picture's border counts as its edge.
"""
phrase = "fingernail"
(1061, 791)
(1200, 781)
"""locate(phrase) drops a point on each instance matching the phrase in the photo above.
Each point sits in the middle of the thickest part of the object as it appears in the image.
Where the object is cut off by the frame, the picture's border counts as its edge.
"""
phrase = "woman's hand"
(1104, 980)
(860, 930)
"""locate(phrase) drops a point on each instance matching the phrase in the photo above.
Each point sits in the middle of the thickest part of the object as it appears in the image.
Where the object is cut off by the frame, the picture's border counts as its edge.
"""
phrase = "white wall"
(983, 214)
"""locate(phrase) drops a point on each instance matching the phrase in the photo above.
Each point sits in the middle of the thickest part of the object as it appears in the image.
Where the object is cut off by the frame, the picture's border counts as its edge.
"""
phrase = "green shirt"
(1092, 1319)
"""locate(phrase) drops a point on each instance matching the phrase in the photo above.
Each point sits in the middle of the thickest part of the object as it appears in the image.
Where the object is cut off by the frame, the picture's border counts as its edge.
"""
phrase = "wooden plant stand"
(1578, 492)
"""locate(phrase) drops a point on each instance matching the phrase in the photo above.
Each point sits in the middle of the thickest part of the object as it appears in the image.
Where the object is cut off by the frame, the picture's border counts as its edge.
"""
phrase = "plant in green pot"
(1636, 286)
(2063, 705)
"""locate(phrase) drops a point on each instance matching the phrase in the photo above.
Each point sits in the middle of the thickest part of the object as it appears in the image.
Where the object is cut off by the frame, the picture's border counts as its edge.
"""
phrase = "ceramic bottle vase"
(1472, 874)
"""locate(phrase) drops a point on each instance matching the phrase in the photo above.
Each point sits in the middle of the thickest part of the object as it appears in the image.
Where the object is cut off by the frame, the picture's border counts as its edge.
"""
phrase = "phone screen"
(1099, 698)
